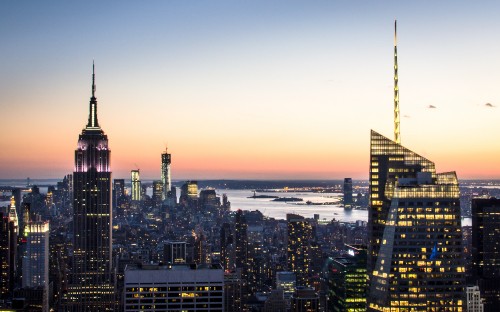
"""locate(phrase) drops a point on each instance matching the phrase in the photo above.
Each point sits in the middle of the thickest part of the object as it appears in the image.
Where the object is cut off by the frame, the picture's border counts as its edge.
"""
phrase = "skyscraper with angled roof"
(415, 248)
(414, 230)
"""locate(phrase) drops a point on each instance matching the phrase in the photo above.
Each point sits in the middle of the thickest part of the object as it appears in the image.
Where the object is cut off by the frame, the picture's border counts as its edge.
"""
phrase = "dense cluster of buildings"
(97, 244)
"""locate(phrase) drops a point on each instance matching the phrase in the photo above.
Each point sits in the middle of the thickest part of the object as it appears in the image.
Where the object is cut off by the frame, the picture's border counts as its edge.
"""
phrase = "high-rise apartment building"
(166, 160)
(36, 258)
(91, 287)
(241, 260)
(136, 185)
(414, 228)
(226, 247)
(4, 255)
(486, 250)
(300, 235)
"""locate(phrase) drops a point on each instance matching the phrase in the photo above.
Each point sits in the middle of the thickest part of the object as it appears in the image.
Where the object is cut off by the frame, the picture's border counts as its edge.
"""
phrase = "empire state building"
(91, 287)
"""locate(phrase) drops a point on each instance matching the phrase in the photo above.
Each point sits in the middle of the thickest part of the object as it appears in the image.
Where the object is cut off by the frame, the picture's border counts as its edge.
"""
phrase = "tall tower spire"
(93, 79)
(397, 131)
(93, 123)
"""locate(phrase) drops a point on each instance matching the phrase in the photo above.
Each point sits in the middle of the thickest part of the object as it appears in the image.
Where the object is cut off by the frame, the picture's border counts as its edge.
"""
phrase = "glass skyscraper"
(166, 160)
(91, 287)
(415, 251)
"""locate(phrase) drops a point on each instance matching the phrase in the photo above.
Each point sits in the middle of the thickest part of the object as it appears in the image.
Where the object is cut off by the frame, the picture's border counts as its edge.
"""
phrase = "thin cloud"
(489, 105)
(431, 106)
(406, 116)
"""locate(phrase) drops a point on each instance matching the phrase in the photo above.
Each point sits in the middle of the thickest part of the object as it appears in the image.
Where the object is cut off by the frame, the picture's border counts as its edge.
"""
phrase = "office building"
(348, 193)
(287, 282)
(36, 259)
(136, 185)
(174, 288)
(157, 193)
(346, 278)
(305, 299)
(414, 231)
(232, 291)
(174, 252)
(166, 180)
(91, 287)
(474, 301)
(118, 192)
(226, 247)
(5, 274)
(486, 250)
(300, 235)
(275, 302)
(415, 249)
(189, 190)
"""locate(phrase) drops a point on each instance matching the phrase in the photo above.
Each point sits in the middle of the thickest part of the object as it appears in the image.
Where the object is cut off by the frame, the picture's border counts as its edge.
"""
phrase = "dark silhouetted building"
(118, 192)
(486, 250)
(348, 193)
(174, 252)
(226, 247)
(305, 299)
(91, 287)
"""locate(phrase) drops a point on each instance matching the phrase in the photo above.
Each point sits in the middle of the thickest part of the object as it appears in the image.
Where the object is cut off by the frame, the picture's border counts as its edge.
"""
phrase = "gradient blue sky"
(249, 89)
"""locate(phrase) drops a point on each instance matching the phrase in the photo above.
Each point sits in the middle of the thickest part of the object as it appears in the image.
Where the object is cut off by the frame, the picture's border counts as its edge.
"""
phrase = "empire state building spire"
(93, 123)
(397, 131)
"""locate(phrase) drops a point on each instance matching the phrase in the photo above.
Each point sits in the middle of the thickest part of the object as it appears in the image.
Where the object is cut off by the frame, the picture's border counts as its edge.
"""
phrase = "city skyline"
(249, 90)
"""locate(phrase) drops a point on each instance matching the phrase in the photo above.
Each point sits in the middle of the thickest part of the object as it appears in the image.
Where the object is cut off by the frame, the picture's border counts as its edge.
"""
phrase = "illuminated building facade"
(174, 288)
(4, 255)
(486, 250)
(36, 258)
(287, 282)
(166, 160)
(91, 287)
(157, 193)
(189, 190)
(347, 280)
(298, 247)
(136, 185)
(414, 230)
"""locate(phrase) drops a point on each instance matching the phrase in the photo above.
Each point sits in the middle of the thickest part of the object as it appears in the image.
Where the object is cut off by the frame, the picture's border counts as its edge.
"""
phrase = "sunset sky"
(249, 89)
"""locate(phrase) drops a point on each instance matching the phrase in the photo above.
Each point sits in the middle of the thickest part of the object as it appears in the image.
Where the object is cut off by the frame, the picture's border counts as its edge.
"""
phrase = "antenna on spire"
(397, 131)
(93, 103)
(93, 79)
